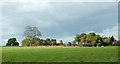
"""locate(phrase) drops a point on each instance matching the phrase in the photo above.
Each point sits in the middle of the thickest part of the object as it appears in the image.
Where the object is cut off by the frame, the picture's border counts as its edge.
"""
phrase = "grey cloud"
(59, 18)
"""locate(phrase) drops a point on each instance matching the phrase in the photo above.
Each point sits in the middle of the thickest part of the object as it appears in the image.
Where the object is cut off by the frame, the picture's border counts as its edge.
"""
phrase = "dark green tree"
(77, 38)
(69, 44)
(83, 39)
(53, 43)
(112, 39)
(36, 41)
(44, 43)
(12, 42)
(90, 37)
(73, 43)
(61, 42)
(82, 35)
(48, 41)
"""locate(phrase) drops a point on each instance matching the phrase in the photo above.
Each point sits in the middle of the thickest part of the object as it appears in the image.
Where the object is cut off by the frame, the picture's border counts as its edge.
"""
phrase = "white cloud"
(56, 19)
(46, 24)
(66, 37)
(33, 5)
(110, 32)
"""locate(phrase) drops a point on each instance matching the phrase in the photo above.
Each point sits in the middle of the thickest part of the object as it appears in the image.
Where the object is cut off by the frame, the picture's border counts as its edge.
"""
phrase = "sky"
(59, 20)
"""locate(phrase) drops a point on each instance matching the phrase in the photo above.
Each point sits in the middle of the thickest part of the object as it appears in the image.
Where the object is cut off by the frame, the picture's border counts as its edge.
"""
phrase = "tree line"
(92, 39)
(32, 35)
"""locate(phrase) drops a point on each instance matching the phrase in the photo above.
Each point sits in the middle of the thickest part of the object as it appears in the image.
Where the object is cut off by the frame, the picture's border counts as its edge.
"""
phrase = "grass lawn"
(60, 54)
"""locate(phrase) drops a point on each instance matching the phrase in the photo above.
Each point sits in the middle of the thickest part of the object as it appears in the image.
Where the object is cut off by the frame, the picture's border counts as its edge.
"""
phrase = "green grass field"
(59, 54)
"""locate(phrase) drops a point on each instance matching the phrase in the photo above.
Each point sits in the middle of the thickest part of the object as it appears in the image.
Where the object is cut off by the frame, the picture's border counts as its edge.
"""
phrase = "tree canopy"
(12, 42)
(31, 32)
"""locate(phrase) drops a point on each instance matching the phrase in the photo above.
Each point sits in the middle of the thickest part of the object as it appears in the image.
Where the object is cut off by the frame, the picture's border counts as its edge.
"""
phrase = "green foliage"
(12, 42)
(61, 42)
(93, 43)
(82, 35)
(48, 41)
(112, 40)
(26, 42)
(91, 37)
(108, 41)
(53, 43)
(31, 32)
(44, 43)
(77, 38)
(69, 44)
(74, 43)
(36, 41)
(83, 39)
(97, 37)
(99, 44)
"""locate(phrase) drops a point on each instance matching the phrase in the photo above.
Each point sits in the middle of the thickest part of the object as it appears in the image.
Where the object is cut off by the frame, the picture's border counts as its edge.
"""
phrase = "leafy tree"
(31, 32)
(12, 42)
(112, 40)
(93, 43)
(26, 42)
(69, 44)
(99, 44)
(105, 41)
(82, 35)
(53, 43)
(83, 39)
(36, 41)
(44, 43)
(97, 37)
(91, 37)
(53, 40)
(77, 38)
(48, 41)
(108, 41)
(61, 42)
(73, 43)
(41, 40)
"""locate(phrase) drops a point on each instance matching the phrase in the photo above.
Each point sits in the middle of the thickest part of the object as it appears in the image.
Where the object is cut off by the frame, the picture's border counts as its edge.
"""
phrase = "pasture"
(60, 54)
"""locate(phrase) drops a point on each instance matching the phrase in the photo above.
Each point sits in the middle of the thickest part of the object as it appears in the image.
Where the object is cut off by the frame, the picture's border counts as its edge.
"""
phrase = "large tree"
(31, 32)
(61, 42)
(112, 40)
(48, 41)
(12, 42)
(82, 35)
(83, 39)
(90, 37)
(36, 41)
(26, 42)
(53, 42)
(77, 38)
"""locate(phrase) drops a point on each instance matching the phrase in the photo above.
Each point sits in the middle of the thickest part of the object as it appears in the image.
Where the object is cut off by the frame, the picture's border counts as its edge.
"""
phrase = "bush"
(99, 44)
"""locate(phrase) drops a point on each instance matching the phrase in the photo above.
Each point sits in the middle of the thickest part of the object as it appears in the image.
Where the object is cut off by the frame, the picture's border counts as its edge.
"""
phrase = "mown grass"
(60, 54)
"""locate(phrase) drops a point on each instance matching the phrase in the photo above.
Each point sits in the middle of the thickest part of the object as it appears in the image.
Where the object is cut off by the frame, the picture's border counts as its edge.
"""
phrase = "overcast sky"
(60, 20)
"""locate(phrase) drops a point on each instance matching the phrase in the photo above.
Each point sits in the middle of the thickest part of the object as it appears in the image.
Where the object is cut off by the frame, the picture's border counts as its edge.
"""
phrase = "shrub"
(99, 44)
